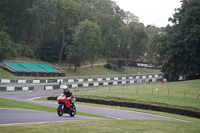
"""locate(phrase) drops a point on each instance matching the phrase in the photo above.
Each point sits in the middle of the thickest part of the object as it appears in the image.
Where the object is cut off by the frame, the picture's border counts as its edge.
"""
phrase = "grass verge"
(13, 104)
(101, 126)
(173, 94)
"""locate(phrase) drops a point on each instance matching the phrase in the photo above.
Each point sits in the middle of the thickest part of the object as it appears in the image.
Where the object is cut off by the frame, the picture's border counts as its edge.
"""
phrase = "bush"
(108, 65)
(114, 67)
(27, 51)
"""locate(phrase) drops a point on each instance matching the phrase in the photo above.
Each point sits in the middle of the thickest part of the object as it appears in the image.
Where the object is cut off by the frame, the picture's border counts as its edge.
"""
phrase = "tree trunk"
(69, 66)
(75, 68)
(92, 62)
(63, 41)
(131, 56)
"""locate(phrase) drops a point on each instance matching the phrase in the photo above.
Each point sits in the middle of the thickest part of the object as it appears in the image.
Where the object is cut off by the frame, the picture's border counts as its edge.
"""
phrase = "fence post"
(184, 93)
(109, 89)
(168, 91)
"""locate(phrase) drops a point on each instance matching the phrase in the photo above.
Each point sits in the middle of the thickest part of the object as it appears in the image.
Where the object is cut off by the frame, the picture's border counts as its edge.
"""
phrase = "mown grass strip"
(181, 94)
(13, 104)
(101, 126)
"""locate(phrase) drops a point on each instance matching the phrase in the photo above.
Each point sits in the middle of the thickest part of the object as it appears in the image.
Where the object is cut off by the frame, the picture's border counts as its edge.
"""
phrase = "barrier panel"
(138, 106)
(12, 88)
(83, 79)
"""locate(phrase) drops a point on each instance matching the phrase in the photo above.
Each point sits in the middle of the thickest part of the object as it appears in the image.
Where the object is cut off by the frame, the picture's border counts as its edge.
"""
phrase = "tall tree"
(137, 40)
(182, 41)
(56, 22)
(6, 46)
(88, 37)
(153, 38)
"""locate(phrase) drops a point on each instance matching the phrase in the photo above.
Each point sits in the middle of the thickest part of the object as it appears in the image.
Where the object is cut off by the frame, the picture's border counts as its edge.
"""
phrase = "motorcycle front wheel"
(73, 111)
(60, 111)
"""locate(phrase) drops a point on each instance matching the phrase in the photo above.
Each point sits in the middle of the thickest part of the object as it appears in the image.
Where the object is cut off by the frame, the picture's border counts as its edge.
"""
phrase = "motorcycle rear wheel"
(60, 111)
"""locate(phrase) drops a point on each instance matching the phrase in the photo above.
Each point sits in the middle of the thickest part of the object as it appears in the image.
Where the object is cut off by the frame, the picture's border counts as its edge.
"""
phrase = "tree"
(56, 22)
(137, 40)
(153, 38)
(74, 55)
(182, 41)
(6, 46)
(124, 35)
(88, 37)
(110, 18)
(130, 18)
(48, 50)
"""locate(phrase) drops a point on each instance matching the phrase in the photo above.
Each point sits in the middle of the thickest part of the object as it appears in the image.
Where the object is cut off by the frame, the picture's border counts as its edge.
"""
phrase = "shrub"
(108, 65)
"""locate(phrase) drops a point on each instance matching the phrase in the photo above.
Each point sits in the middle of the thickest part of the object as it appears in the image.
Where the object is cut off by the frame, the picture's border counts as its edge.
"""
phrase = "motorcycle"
(64, 105)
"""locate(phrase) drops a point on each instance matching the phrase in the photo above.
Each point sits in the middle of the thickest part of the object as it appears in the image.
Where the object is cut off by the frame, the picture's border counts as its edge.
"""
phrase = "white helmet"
(65, 88)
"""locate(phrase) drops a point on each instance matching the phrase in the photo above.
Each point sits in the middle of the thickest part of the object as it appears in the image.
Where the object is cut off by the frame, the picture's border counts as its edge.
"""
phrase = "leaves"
(88, 39)
(181, 46)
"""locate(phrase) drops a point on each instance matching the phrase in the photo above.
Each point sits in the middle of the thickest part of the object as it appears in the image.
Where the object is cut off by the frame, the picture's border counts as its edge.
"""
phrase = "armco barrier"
(84, 79)
(103, 83)
(12, 88)
(138, 106)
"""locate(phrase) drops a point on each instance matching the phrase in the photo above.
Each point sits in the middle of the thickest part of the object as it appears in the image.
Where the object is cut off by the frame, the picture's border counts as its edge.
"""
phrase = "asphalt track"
(9, 116)
(16, 116)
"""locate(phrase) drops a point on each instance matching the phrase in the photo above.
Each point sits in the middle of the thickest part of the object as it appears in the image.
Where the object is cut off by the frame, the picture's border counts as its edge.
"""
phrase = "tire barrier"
(138, 106)
(83, 79)
(11, 88)
(105, 83)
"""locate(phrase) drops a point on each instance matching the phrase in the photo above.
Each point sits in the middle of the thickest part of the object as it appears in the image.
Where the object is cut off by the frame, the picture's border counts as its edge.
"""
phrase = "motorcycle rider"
(67, 92)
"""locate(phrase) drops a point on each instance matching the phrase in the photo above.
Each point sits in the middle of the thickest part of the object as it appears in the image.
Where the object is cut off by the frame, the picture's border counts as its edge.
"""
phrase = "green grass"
(97, 70)
(176, 98)
(100, 70)
(13, 104)
(108, 126)
(4, 73)
(136, 126)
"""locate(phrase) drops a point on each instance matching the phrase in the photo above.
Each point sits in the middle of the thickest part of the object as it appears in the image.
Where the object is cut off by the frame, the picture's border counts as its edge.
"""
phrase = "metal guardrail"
(77, 78)
(13, 88)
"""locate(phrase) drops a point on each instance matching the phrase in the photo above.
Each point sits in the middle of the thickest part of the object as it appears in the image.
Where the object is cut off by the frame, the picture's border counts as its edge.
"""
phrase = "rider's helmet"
(65, 89)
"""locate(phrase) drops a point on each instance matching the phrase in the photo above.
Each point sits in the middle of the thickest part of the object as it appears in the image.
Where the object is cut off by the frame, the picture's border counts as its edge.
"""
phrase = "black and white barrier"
(82, 79)
(12, 88)
(103, 83)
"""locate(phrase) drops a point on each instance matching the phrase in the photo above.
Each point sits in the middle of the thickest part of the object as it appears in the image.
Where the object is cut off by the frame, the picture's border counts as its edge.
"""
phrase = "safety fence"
(138, 106)
(103, 83)
(12, 88)
(83, 78)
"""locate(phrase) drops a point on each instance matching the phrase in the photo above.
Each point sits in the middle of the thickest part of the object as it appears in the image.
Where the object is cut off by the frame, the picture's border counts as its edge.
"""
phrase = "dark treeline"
(78, 30)
(56, 30)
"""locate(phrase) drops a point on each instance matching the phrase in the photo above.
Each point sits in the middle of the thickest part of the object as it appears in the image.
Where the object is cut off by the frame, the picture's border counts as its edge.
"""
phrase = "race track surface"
(9, 116)
(16, 116)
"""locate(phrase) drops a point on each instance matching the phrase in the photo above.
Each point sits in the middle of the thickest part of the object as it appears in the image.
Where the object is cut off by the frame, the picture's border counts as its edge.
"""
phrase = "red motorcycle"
(64, 105)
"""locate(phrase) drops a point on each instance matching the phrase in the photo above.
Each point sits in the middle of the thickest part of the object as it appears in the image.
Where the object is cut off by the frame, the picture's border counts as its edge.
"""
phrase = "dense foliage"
(52, 29)
(78, 30)
(180, 46)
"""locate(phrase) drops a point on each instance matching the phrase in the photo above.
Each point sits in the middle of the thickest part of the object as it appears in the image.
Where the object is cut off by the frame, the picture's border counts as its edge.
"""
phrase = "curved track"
(16, 116)
(40, 92)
